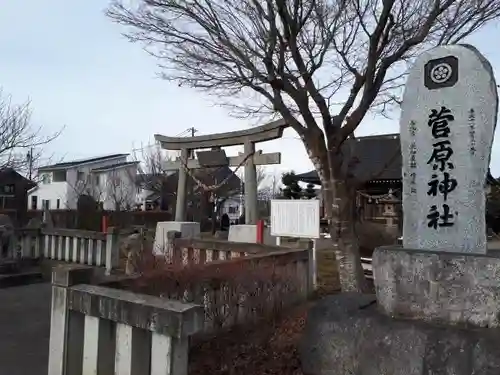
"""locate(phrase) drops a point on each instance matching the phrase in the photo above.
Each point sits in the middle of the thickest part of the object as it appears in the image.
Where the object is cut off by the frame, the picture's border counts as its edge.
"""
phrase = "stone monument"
(437, 304)
(447, 124)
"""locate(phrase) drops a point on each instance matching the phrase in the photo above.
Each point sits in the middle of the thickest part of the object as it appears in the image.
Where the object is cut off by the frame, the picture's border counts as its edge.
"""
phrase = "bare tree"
(21, 143)
(87, 186)
(319, 64)
(151, 176)
(120, 189)
(261, 174)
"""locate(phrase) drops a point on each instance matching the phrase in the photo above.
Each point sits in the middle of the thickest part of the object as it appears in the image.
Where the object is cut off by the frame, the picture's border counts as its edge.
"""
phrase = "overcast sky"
(79, 72)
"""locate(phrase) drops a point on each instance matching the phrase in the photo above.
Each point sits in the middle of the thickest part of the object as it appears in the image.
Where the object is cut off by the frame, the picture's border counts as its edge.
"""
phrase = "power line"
(189, 132)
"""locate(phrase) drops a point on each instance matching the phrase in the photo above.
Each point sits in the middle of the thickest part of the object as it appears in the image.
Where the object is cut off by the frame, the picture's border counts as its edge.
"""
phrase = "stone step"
(21, 278)
(9, 267)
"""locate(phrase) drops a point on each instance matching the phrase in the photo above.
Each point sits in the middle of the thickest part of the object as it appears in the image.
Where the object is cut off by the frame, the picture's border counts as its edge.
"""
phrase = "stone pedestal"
(346, 334)
(248, 233)
(186, 228)
(450, 288)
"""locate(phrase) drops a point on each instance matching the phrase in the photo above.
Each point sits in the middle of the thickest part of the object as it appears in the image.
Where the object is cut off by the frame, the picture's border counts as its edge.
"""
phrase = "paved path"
(24, 329)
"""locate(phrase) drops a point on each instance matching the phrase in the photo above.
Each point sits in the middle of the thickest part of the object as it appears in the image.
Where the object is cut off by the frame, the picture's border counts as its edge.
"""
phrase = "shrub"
(232, 292)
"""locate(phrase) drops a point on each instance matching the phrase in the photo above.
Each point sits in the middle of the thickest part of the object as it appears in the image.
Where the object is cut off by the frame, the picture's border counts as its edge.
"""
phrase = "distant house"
(233, 207)
(109, 180)
(14, 191)
(150, 189)
(160, 191)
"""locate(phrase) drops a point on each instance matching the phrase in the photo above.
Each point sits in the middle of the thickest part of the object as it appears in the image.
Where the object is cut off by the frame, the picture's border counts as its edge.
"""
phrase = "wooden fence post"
(112, 250)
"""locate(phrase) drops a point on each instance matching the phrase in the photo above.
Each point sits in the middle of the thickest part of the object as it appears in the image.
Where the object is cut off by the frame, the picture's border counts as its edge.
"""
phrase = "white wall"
(52, 192)
(76, 189)
(142, 194)
(119, 188)
(225, 209)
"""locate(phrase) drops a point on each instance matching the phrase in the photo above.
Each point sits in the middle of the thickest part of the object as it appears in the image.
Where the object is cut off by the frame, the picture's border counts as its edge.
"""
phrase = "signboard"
(295, 218)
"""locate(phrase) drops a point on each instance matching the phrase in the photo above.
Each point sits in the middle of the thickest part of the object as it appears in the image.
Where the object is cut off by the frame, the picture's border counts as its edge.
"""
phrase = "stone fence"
(244, 279)
(98, 330)
(190, 251)
(68, 245)
(120, 327)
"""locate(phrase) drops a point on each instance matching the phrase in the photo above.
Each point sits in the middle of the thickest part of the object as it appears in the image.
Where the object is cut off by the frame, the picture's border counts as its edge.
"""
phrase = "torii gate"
(247, 137)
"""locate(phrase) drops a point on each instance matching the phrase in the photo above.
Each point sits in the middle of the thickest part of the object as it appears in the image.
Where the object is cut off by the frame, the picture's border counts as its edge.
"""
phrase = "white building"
(233, 207)
(110, 180)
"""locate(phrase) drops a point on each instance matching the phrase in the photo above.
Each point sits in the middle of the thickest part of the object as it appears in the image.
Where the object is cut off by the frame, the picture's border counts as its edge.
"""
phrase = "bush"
(232, 292)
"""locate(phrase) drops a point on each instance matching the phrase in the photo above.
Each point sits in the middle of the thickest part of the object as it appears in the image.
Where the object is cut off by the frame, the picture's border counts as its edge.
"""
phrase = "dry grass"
(328, 277)
(269, 349)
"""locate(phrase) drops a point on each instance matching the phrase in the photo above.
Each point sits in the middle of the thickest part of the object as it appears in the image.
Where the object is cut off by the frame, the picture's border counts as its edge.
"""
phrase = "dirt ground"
(271, 349)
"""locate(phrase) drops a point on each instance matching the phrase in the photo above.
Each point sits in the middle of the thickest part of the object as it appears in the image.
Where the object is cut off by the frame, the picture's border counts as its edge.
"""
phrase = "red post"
(260, 231)
(104, 224)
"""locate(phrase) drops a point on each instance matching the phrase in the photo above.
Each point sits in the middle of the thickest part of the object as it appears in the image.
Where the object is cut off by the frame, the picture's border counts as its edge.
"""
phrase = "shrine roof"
(377, 158)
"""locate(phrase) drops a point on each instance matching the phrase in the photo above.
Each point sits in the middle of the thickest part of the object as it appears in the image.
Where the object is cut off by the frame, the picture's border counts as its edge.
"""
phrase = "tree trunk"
(339, 200)
(340, 203)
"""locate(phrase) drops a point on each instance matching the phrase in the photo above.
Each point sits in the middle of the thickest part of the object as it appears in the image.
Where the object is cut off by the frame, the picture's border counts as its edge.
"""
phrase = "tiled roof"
(114, 166)
(75, 163)
(378, 158)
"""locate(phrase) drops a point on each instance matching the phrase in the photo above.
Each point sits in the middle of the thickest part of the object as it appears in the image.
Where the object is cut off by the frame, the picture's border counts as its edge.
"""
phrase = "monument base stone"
(440, 287)
(346, 334)
(248, 233)
(187, 229)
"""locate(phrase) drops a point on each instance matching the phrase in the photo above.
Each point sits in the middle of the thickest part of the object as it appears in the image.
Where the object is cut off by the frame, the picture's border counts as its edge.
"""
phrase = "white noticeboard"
(295, 218)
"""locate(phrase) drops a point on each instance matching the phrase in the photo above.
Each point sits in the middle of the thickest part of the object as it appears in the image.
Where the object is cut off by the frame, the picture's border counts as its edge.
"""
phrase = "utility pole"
(29, 158)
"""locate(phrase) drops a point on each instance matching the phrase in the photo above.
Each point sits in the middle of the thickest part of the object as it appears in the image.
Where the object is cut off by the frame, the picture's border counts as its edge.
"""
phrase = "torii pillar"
(251, 207)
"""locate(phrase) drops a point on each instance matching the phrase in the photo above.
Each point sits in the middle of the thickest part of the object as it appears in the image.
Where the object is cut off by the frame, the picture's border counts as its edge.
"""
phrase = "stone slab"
(234, 161)
(170, 317)
(346, 334)
(447, 125)
(248, 233)
(451, 288)
(187, 229)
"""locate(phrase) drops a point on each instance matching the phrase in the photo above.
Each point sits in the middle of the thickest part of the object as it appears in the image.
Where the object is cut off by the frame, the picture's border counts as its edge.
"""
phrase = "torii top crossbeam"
(267, 132)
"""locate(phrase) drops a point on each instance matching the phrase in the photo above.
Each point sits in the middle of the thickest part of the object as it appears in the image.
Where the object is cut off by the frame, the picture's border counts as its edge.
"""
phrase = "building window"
(8, 189)
(34, 201)
(80, 176)
(46, 204)
(232, 209)
(97, 180)
(59, 176)
(58, 204)
(46, 178)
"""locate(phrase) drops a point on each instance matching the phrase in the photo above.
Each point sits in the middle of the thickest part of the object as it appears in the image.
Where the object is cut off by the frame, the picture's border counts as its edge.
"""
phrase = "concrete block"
(248, 233)
(450, 288)
(187, 229)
